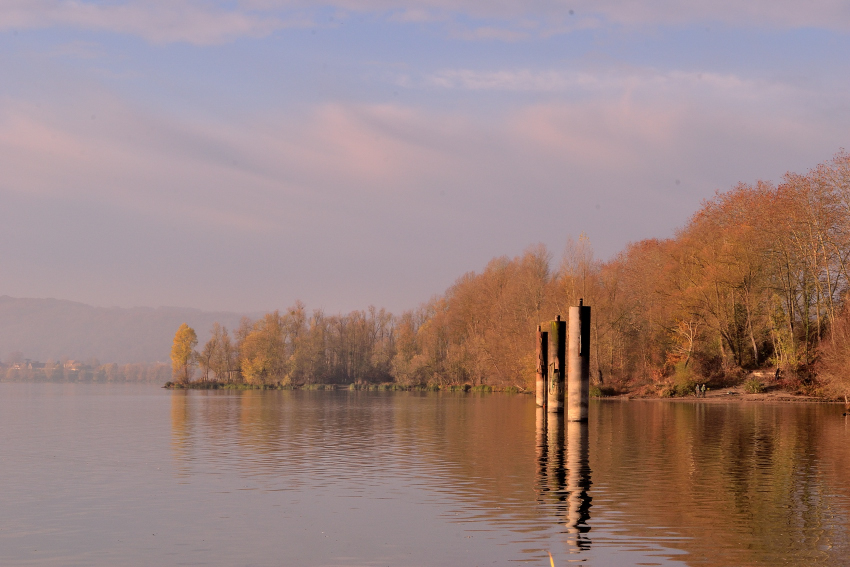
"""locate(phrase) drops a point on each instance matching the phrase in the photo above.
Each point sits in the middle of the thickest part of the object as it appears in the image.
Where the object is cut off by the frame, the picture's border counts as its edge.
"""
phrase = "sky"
(242, 155)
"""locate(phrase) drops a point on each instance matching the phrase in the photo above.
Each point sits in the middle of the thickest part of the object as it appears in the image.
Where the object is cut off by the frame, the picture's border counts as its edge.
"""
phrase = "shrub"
(676, 390)
(597, 391)
(753, 386)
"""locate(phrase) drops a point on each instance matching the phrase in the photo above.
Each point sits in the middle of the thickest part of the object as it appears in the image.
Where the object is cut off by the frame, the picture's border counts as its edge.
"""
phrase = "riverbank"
(739, 393)
(732, 393)
(384, 387)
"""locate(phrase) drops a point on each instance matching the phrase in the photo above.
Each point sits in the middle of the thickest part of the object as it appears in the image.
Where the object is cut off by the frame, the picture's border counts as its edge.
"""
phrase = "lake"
(111, 475)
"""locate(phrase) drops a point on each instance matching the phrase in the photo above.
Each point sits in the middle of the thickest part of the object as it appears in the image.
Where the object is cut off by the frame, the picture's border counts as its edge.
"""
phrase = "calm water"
(133, 475)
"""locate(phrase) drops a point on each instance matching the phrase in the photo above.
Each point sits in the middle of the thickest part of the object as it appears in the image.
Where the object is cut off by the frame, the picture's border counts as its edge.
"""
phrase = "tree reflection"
(181, 435)
(727, 483)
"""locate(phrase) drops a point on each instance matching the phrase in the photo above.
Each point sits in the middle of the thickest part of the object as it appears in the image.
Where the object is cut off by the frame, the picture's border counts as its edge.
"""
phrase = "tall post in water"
(557, 365)
(542, 365)
(578, 363)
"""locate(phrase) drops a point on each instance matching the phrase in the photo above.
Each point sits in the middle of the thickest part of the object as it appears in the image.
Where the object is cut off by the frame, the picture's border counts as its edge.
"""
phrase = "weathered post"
(578, 363)
(542, 365)
(557, 366)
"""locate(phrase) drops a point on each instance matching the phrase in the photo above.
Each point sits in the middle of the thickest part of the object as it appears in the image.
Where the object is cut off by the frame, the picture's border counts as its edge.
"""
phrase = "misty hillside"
(45, 329)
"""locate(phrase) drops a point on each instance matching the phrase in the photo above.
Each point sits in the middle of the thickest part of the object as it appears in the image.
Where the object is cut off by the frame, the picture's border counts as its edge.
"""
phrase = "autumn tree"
(223, 361)
(835, 355)
(262, 353)
(204, 358)
(183, 353)
(404, 369)
(218, 356)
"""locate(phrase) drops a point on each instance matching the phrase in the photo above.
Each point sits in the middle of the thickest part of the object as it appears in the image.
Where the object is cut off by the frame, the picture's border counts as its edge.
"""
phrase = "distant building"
(28, 364)
(74, 365)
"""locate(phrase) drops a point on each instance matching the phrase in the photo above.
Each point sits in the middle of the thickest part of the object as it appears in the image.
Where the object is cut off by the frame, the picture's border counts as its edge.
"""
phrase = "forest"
(757, 278)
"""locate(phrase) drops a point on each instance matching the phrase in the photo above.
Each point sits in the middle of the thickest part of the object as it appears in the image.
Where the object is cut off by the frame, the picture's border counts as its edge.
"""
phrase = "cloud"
(616, 126)
(519, 80)
(639, 115)
(232, 175)
(381, 150)
(204, 23)
(829, 14)
(81, 50)
(386, 203)
(488, 33)
(414, 15)
(551, 14)
(651, 86)
(158, 21)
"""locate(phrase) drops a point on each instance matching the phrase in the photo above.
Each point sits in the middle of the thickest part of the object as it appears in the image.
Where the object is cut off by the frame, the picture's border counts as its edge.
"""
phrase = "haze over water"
(127, 475)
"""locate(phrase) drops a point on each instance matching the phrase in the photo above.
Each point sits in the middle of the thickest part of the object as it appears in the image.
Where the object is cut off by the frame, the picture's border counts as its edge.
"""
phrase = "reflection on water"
(578, 483)
(181, 437)
(707, 483)
(563, 473)
(101, 475)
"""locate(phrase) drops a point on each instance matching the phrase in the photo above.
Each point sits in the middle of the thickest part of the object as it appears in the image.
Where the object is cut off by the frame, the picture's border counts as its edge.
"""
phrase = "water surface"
(136, 475)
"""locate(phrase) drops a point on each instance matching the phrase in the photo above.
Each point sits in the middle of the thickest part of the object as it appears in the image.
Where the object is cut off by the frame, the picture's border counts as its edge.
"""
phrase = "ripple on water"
(90, 474)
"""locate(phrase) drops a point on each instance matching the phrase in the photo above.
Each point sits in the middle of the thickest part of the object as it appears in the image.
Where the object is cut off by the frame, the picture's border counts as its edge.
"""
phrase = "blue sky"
(242, 155)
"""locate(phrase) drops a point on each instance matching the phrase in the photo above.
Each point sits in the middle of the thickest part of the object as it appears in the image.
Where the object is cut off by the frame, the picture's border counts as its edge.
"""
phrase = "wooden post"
(578, 363)
(557, 365)
(542, 365)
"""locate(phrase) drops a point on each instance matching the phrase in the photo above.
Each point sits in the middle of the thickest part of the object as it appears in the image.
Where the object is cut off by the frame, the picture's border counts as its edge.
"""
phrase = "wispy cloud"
(203, 23)
(616, 82)
(157, 21)
(415, 15)
(81, 50)
(490, 33)
(831, 14)
(524, 80)
(297, 196)
(339, 152)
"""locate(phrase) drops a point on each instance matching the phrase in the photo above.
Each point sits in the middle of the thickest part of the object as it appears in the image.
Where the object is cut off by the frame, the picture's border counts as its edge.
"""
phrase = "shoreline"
(737, 394)
(374, 387)
(722, 395)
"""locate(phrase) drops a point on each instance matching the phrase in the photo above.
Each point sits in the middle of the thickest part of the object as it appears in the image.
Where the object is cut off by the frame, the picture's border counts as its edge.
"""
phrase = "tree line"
(91, 370)
(756, 278)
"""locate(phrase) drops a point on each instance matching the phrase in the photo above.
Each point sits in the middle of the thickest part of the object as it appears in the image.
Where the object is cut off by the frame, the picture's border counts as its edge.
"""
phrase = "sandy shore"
(737, 393)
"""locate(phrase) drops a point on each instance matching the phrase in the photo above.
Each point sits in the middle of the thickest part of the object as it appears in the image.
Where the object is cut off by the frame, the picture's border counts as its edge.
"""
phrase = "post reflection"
(578, 483)
(563, 473)
(551, 476)
(555, 473)
(542, 447)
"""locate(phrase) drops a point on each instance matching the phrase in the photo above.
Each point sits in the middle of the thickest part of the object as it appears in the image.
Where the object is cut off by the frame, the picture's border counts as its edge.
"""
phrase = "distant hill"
(45, 329)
